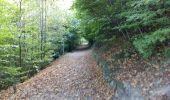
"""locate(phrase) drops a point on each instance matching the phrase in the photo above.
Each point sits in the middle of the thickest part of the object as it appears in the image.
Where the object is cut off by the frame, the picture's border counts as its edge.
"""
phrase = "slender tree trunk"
(42, 28)
(127, 34)
(140, 31)
(123, 34)
(20, 29)
(45, 26)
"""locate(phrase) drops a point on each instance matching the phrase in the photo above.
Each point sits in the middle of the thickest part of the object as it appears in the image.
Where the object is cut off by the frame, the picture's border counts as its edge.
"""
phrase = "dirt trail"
(75, 76)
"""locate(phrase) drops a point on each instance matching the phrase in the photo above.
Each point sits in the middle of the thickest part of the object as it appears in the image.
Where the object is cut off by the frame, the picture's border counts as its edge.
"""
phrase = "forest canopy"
(32, 34)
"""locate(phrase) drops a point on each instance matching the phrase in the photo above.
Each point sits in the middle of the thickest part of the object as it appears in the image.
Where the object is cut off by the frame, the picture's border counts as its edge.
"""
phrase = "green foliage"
(145, 45)
(31, 36)
(8, 76)
(148, 20)
(167, 53)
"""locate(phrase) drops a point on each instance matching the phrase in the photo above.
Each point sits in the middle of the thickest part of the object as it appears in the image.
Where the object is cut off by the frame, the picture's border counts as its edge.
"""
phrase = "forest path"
(75, 76)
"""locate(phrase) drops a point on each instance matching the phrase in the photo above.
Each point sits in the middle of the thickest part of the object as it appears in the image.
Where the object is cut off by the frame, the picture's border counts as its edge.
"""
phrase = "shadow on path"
(82, 48)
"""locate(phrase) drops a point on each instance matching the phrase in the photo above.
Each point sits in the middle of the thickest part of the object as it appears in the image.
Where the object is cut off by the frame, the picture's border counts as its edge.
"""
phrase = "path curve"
(75, 76)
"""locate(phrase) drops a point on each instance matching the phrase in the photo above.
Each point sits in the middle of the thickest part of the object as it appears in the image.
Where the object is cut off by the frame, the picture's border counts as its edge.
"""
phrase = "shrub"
(145, 45)
(8, 76)
(167, 53)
